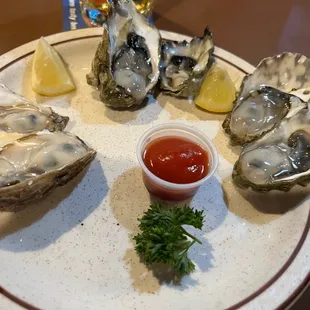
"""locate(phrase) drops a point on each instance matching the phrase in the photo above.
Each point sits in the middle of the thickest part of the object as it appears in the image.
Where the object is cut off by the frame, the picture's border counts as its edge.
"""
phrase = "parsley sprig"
(163, 239)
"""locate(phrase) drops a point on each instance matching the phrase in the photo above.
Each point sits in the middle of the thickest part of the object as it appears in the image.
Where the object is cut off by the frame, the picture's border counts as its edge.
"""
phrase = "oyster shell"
(259, 112)
(126, 63)
(33, 165)
(184, 64)
(286, 75)
(18, 115)
(287, 72)
(280, 159)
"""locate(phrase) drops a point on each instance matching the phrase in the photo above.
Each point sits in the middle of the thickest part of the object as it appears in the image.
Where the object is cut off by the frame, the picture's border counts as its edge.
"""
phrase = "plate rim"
(25, 50)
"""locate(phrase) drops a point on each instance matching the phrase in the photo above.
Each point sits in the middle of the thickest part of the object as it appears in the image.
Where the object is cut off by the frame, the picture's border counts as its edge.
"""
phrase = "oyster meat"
(280, 159)
(259, 112)
(126, 63)
(18, 115)
(32, 166)
(184, 64)
(275, 90)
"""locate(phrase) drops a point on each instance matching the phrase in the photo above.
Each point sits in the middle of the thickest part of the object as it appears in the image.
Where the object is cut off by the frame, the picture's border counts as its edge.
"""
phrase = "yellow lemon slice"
(49, 74)
(217, 92)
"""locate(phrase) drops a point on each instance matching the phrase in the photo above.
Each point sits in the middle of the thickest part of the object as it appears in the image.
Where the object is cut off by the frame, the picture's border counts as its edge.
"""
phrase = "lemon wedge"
(217, 92)
(49, 74)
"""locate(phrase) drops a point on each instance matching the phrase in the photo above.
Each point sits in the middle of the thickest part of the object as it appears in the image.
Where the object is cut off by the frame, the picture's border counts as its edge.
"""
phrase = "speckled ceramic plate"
(73, 249)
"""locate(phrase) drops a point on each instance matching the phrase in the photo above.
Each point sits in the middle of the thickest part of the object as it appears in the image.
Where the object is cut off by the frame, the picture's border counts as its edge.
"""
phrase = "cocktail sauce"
(176, 160)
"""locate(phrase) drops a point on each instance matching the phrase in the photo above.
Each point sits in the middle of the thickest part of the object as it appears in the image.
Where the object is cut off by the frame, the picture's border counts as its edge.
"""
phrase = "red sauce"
(176, 160)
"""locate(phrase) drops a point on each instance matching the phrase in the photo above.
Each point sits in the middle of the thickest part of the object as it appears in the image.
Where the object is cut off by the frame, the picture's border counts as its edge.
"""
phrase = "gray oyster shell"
(18, 115)
(279, 160)
(259, 112)
(184, 65)
(126, 63)
(34, 165)
(287, 74)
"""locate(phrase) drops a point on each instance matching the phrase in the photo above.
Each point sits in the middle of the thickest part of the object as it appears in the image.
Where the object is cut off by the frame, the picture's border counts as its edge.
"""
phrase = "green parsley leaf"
(163, 239)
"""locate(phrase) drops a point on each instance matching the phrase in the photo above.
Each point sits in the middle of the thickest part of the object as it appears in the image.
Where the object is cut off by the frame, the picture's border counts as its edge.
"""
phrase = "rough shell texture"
(286, 72)
(13, 197)
(184, 64)
(124, 21)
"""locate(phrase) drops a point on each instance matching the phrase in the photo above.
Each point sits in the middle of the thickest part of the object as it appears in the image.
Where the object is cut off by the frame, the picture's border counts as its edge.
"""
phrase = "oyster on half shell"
(126, 63)
(280, 159)
(33, 165)
(276, 89)
(259, 112)
(19, 115)
(184, 65)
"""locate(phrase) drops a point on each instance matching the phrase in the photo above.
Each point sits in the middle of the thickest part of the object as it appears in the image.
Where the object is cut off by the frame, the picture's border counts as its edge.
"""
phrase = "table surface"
(249, 29)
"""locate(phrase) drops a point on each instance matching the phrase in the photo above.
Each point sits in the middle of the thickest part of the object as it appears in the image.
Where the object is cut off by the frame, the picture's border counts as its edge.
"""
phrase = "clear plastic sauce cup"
(164, 189)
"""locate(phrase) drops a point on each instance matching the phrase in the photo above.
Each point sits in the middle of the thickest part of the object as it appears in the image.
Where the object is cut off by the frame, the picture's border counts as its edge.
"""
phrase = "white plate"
(73, 250)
